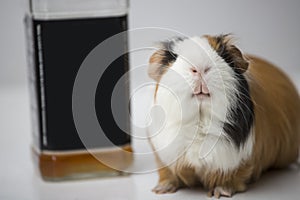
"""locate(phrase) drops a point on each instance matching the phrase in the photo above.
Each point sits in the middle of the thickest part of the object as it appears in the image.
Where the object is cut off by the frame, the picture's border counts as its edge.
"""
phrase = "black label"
(60, 46)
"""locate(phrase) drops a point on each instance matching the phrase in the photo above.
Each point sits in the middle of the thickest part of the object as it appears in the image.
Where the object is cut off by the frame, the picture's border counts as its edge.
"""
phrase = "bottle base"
(83, 164)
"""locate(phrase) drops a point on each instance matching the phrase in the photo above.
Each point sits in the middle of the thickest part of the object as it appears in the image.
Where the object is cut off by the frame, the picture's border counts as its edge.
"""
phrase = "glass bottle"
(60, 35)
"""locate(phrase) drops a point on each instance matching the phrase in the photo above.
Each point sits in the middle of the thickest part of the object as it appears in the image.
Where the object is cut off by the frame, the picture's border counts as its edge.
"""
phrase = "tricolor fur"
(216, 129)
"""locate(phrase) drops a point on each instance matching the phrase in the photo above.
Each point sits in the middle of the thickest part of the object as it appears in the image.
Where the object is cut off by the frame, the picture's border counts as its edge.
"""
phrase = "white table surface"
(19, 180)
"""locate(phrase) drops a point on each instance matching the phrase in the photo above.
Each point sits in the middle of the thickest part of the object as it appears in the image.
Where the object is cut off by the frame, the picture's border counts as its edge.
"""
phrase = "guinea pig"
(224, 117)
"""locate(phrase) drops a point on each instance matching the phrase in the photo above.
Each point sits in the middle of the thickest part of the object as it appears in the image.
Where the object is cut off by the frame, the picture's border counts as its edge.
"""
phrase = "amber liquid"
(83, 164)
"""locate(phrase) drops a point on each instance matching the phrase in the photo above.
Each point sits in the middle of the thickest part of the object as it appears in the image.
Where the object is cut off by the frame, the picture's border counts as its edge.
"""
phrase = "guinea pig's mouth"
(201, 91)
(202, 95)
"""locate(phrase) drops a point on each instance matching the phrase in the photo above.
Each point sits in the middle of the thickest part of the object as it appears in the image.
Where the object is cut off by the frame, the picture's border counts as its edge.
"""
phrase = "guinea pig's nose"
(197, 89)
(201, 88)
(204, 88)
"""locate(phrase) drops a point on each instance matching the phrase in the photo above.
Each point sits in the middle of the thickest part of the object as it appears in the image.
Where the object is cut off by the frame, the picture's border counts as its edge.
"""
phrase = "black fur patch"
(168, 57)
(223, 51)
(168, 48)
(242, 115)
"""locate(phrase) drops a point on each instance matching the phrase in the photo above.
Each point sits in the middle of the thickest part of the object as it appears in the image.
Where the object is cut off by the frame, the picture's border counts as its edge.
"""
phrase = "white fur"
(193, 129)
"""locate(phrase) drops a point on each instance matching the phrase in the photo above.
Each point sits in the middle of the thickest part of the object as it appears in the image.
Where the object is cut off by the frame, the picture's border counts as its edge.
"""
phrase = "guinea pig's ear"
(240, 63)
(224, 46)
(160, 61)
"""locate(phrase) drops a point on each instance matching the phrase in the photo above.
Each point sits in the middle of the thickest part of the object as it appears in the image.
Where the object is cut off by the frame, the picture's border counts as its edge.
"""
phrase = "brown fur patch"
(277, 117)
(235, 180)
(155, 70)
(157, 67)
(213, 42)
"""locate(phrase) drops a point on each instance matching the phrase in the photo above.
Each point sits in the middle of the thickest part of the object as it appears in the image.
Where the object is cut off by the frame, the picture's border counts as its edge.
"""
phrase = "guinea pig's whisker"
(242, 103)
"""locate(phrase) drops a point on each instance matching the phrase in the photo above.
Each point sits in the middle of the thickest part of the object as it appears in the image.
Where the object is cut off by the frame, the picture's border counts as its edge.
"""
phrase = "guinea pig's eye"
(194, 70)
(206, 69)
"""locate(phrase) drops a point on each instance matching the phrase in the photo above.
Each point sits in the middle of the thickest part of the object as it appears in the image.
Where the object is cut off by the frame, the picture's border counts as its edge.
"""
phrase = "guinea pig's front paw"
(219, 191)
(165, 187)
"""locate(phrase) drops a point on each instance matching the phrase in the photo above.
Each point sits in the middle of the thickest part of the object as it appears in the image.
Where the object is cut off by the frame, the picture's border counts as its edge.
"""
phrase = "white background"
(269, 29)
